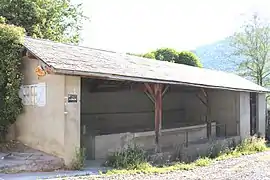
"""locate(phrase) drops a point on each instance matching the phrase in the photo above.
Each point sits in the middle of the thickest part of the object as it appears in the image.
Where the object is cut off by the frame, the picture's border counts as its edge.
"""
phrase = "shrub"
(11, 44)
(132, 157)
(2, 20)
(252, 144)
(214, 150)
(79, 159)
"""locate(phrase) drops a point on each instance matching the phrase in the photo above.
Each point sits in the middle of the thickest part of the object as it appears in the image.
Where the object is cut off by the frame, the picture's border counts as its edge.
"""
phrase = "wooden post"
(208, 113)
(156, 92)
(158, 114)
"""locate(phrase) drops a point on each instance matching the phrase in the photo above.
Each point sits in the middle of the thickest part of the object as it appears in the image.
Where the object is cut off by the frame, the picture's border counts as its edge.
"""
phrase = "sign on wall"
(34, 94)
(72, 98)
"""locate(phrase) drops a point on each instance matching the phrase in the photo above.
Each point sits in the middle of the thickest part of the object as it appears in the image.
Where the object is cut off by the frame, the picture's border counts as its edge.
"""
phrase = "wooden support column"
(158, 114)
(208, 120)
(156, 92)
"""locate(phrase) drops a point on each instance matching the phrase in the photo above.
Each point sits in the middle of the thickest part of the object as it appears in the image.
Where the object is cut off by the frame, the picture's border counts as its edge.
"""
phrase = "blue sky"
(143, 25)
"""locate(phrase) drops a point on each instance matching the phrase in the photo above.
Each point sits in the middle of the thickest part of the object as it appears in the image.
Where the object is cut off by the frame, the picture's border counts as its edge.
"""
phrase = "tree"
(166, 54)
(57, 20)
(253, 45)
(188, 58)
(171, 55)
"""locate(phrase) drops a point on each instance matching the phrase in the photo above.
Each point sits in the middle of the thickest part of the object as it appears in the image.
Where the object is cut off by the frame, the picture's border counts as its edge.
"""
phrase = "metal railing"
(220, 131)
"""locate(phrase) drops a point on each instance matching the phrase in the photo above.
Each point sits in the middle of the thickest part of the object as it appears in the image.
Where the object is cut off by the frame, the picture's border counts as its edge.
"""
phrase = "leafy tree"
(57, 20)
(188, 58)
(171, 55)
(252, 43)
(166, 54)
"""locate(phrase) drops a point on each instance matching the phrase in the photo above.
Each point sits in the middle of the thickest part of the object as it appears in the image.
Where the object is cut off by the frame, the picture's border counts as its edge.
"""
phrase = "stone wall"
(106, 144)
(195, 150)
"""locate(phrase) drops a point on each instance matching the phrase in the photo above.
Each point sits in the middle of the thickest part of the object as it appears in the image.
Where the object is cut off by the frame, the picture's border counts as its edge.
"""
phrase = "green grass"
(147, 168)
(249, 146)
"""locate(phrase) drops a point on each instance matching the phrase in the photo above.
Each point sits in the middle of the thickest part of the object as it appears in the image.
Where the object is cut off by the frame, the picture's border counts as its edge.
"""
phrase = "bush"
(132, 157)
(121, 159)
(2, 20)
(11, 44)
(252, 144)
(79, 159)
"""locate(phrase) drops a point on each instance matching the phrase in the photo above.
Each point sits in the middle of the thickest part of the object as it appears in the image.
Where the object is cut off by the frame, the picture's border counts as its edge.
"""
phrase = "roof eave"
(145, 80)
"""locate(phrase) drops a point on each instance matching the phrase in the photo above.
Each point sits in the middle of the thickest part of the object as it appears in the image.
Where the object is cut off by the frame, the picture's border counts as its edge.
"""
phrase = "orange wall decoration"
(40, 71)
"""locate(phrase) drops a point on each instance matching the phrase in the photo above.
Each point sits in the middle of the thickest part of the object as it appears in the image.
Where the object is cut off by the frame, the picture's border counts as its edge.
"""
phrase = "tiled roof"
(77, 60)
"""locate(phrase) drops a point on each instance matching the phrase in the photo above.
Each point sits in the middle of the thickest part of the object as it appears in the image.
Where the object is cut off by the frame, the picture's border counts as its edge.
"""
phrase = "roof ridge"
(70, 44)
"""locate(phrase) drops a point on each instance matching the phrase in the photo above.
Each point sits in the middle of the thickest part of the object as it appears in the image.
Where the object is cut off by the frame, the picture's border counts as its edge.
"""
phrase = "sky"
(140, 26)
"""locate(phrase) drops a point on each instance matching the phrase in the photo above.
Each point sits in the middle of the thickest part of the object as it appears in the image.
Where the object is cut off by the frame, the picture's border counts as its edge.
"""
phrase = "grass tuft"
(205, 161)
(78, 160)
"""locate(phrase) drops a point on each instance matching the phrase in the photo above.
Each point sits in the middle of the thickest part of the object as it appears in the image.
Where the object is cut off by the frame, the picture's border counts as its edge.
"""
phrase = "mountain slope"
(218, 56)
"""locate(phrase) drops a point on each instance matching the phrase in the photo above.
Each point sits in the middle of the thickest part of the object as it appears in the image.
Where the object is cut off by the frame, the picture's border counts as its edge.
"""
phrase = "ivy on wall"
(11, 44)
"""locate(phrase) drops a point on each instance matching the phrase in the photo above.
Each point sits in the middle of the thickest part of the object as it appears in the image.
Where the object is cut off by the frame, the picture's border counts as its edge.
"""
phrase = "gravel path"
(250, 167)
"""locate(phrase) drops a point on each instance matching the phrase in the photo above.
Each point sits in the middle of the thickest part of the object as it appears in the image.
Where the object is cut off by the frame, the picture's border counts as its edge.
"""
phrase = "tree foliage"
(166, 54)
(188, 58)
(253, 45)
(57, 20)
(11, 38)
(171, 55)
(150, 55)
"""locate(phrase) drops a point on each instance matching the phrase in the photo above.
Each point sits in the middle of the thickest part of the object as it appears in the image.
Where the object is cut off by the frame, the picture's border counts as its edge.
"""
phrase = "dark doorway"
(253, 113)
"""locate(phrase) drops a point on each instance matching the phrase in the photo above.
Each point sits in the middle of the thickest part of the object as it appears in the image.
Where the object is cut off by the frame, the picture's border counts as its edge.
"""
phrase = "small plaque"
(72, 98)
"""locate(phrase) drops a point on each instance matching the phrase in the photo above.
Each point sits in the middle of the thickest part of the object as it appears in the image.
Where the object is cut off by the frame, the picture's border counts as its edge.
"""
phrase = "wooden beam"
(204, 92)
(208, 113)
(159, 98)
(149, 89)
(155, 93)
(201, 100)
(158, 115)
(150, 97)
(165, 90)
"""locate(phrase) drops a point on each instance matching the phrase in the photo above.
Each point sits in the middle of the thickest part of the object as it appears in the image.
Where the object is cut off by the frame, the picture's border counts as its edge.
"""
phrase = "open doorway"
(253, 113)
(116, 113)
